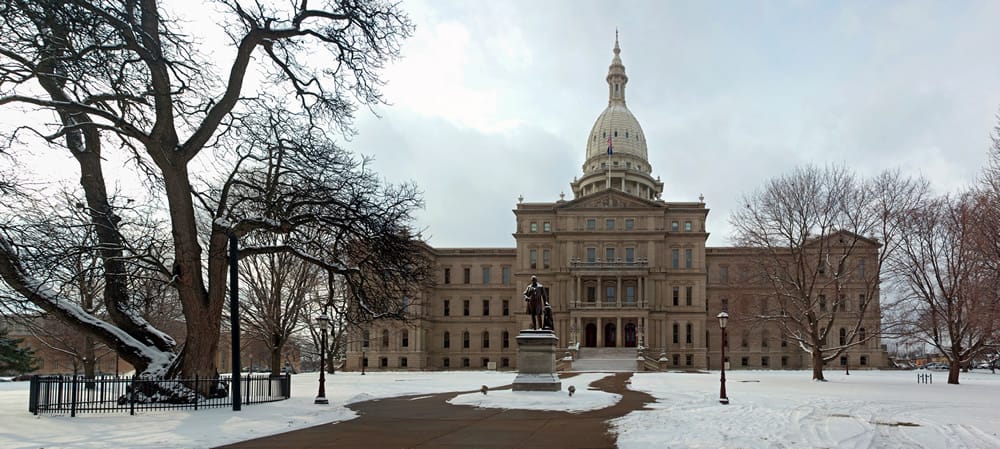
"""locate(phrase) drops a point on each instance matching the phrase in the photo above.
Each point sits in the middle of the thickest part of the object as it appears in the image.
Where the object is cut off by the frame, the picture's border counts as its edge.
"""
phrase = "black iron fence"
(77, 394)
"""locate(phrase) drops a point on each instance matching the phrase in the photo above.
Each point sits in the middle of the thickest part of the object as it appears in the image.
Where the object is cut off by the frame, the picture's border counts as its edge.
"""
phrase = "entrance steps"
(605, 359)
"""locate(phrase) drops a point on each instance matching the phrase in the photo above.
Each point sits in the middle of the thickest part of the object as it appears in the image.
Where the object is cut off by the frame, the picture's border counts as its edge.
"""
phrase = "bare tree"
(277, 287)
(123, 72)
(819, 238)
(950, 291)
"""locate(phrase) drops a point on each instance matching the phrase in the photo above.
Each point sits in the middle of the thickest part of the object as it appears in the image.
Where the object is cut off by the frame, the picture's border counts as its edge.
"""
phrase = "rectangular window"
(446, 342)
(505, 275)
(861, 302)
(486, 275)
(591, 224)
(591, 294)
(688, 338)
(677, 334)
(745, 361)
(446, 362)
(405, 339)
(533, 258)
(447, 307)
(505, 362)
(486, 340)
(534, 227)
(629, 255)
(447, 275)
(465, 362)
(630, 294)
(610, 294)
(861, 268)
(676, 359)
(465, 307)
(674, 226)
(688, 360)
(629, 224)
(677, 297)
(402, 362)
(609, 224)
(609, 254)
(546, 258)
(822, 303)
(506, 307)
(784, 361)
(486, 307)
(675, 258)
(724, 274)
(591, 255)
(687, 226)
(765, 361)
(688, 295)
(687, 258)
(467, 275)
(864, 360)
(383, 362)
(505, 339)
(547, 227)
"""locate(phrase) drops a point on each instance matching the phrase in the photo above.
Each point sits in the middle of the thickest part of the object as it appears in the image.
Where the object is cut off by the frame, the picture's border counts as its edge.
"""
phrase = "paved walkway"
(429, 422)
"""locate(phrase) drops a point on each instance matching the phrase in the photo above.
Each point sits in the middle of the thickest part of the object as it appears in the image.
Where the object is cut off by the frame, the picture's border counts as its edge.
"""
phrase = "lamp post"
(723, 318)
(364, 361)
(323, 320)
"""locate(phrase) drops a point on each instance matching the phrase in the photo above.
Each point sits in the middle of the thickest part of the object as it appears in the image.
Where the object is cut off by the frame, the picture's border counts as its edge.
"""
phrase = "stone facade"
(624, 268)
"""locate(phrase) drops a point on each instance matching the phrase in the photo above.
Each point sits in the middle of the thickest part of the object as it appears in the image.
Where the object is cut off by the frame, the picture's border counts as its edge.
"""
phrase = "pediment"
(609, 200)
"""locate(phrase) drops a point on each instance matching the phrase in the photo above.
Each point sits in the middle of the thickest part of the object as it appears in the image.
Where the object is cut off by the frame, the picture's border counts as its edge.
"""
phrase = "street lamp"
(723, 319)
(323, 321)
(364, 361)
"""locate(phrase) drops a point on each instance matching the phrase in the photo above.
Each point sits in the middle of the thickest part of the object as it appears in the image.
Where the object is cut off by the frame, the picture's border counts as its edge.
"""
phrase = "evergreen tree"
(14, 359)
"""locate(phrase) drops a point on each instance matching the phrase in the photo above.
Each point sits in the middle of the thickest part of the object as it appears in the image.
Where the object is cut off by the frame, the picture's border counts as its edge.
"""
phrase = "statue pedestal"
(536, 361)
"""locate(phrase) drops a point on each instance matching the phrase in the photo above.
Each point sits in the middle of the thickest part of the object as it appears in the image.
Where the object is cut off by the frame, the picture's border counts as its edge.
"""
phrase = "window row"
(611, 224)
(675, 258)
(688, 295)
(675, 226)
(484, 339)
(467, 363)
(611, 254)
(404, 338)
(467, 307)
(485, 278)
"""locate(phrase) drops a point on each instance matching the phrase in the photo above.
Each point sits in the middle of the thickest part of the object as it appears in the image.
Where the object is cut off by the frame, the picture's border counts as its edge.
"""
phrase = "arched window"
(486, 339)
(385, 338)
(465, 339)
(447, 340)
(843, 336)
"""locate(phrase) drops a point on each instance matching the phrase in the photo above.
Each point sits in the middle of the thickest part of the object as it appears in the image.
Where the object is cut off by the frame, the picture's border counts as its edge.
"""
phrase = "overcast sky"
(493, 100)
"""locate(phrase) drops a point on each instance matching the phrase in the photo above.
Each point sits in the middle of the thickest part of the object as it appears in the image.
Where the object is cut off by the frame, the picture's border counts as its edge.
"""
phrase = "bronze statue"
(537, 305)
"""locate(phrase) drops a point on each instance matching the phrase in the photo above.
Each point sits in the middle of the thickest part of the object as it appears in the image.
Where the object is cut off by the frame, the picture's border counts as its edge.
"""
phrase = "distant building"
(624, 268)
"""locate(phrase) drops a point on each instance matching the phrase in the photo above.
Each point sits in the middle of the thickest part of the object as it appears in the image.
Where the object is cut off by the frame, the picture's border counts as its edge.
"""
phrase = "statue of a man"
(536, 303)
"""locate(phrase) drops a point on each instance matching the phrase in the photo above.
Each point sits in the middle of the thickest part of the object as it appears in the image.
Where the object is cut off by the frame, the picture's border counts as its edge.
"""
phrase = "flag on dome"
(610, 147)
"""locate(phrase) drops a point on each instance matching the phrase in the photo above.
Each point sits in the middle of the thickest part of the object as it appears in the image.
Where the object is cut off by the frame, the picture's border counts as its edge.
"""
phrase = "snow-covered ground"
(782, 409)
(768, 409)
(583, 399)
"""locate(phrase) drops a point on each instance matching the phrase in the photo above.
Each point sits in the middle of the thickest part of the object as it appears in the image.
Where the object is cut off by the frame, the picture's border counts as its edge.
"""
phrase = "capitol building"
(625, 268)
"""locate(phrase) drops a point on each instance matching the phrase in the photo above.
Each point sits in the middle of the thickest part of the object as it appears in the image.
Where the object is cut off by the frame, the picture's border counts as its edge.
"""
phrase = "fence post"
(33, 395)
(249, 375)
(131, 398)
(72, 394)
(196, 392)
(288, 385)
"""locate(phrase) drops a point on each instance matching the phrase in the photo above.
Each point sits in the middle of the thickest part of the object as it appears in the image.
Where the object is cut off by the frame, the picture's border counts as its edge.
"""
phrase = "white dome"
(618, 123)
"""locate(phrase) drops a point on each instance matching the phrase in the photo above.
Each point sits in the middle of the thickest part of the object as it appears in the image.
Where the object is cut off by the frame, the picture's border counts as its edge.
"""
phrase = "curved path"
(427, 421)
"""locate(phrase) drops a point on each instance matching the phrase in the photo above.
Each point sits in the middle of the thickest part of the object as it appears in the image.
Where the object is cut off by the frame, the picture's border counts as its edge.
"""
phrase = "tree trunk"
(817, 365)
(953, 371)
(276, 360)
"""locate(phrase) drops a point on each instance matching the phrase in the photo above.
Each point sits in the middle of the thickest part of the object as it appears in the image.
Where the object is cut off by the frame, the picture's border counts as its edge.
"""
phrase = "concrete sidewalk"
(429, 422)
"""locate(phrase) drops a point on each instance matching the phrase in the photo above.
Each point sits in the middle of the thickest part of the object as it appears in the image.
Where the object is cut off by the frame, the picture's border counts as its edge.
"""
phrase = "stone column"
(600, 333)
(618, 333)
(618, 293)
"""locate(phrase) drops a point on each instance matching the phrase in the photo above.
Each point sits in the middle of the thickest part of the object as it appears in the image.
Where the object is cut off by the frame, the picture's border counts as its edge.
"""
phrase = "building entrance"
(590, 336)
(630, 335)
(609, 335)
